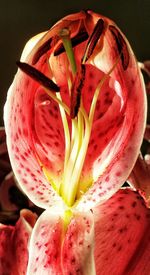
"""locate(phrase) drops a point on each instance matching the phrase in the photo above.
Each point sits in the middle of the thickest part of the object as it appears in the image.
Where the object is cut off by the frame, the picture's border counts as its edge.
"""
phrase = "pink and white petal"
(22, 141)
(45, 245)
(56, 251)
(122, 235)
(77, 251)
(14, 244)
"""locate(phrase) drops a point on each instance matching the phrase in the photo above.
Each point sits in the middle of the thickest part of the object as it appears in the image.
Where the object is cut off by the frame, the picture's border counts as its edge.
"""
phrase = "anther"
(38, 76)
(121, 45)
(94, 37)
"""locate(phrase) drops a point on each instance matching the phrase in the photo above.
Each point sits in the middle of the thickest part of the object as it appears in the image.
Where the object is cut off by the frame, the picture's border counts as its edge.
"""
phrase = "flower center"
(77, 139)
(76, 142)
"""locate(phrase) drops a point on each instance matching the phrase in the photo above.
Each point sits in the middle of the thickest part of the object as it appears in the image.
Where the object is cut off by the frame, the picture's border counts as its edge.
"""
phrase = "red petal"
(114, 143)
(13, 244)
(120, 115)
(54, 251)
(122, 235)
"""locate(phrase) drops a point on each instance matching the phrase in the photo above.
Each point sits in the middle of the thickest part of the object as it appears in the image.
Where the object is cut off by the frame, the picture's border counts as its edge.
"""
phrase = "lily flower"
(75, 117)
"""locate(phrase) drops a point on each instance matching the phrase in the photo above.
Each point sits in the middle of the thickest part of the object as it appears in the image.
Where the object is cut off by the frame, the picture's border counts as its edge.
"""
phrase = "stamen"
(97, 91)
(76, 92)
(96, 34)
(73, 187)
(122, 46)
(71, 149)
(65, 35)
(63, 108)
(76, 142)
(38, 76)
(80, 127)
(75, 41)
(70, 185)
(71, 161)
(80, 187)
(66, 132)
(41, 51)
(56, 99)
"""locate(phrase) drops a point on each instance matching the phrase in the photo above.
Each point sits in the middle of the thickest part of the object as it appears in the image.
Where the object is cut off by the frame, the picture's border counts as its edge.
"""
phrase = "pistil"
(79, 139)
(65, 35)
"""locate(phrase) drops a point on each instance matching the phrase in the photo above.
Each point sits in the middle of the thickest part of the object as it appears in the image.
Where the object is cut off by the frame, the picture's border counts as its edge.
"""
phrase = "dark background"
(22, 19)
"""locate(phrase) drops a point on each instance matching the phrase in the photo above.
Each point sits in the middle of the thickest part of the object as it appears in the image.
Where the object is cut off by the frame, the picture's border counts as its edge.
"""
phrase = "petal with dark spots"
(112, 148)
(122, 233)
(26, 106)
(55, 249)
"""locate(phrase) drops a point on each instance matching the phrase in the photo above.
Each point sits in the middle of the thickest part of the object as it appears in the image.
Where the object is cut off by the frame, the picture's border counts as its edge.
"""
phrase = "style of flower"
(75, 117)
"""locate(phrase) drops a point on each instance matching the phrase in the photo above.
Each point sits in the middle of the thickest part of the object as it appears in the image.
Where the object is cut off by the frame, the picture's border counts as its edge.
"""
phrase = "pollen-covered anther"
(121, 45)
(38, 76)
(76, 92)
(75, 41)
(93, 39)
